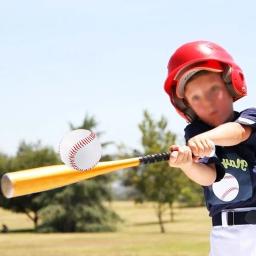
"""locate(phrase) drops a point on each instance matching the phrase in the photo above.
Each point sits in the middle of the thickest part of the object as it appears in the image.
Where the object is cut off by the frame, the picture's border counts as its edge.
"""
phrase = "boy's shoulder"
(246, 117)
(196, 127)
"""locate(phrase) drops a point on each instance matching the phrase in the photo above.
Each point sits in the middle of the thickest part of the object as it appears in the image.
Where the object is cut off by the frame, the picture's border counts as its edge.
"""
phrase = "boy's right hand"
(201, 146)
(180, 157)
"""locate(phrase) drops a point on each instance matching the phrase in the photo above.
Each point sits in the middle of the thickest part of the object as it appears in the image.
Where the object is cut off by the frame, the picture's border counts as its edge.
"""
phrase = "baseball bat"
(40, 179)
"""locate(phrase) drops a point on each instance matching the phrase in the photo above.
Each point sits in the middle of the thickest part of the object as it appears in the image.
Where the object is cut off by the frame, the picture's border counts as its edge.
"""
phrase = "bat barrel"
(40, 179)
(6, 186)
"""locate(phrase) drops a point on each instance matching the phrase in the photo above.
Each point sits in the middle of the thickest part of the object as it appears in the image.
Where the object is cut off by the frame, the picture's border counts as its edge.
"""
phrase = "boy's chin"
(218, 121)
(213, 124)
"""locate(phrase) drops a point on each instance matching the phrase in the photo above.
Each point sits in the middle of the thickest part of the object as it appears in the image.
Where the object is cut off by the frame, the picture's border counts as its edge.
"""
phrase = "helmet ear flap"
(239, 84)
(182, 107)
(235, 82)
(227, 77)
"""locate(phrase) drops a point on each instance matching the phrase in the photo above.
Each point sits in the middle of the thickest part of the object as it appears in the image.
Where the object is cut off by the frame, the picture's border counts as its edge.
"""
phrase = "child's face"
(208, 96)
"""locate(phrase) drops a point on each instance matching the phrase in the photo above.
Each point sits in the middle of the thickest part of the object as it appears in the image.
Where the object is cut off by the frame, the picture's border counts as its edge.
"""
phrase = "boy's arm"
(181, 157)
(203, 174)
(227, 134)
(201, 145)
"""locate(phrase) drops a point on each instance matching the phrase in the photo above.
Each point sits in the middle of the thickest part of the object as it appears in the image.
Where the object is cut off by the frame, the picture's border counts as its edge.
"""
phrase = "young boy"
(203, 82)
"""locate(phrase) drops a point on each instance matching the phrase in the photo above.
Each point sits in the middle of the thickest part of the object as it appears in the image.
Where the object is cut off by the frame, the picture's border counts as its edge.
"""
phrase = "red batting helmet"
(193, 57)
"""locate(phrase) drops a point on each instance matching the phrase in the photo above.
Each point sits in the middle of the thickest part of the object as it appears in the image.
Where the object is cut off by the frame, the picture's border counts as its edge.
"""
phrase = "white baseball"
(226, 189)
(80, 149)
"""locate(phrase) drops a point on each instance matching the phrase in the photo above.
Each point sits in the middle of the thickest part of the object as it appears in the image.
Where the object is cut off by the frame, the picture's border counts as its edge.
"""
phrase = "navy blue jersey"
(235, 185)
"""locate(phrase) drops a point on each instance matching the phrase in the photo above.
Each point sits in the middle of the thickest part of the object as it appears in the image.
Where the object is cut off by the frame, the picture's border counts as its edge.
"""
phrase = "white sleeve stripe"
(243, 120)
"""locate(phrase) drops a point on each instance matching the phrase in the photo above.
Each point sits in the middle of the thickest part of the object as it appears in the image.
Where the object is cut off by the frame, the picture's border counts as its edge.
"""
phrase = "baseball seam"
(80, 144)
(228, 177)
(227, 192)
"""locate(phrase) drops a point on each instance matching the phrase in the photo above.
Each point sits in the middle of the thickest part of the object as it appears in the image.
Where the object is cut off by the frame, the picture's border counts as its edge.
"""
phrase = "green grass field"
(139, 235)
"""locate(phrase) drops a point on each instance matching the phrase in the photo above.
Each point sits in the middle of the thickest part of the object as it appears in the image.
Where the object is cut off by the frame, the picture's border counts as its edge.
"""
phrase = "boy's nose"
(208, 100)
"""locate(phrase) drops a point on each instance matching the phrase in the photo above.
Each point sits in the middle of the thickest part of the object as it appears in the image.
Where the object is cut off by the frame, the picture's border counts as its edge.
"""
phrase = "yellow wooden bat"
(35, 180)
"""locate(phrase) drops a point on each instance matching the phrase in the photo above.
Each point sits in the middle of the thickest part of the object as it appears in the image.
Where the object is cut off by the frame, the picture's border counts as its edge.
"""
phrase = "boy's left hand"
(201, 146)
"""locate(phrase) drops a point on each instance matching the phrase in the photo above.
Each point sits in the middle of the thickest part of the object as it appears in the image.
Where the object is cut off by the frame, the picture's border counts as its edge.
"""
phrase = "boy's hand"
(180, 157)
(201, 146)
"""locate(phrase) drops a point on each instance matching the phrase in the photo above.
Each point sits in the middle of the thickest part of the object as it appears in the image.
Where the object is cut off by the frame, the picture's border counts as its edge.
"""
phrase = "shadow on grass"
(20, 231)
(149, 223)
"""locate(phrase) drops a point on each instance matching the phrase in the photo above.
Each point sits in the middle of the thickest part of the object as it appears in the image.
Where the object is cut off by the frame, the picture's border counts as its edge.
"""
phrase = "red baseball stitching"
(229, 176)
(226, 192)
(80, 144)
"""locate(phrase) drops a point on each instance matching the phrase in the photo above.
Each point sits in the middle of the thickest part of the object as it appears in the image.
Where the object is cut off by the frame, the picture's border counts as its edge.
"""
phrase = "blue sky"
(62, 59)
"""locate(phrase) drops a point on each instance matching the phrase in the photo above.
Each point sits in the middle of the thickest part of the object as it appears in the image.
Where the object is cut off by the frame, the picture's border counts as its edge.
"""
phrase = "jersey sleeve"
(247, 117)
(195, 128)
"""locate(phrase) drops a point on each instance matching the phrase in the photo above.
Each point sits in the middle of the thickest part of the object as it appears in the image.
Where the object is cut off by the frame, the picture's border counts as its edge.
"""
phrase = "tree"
(191, 194)
(156, 182)
(80, 207)
(28, 156)
(4, 163)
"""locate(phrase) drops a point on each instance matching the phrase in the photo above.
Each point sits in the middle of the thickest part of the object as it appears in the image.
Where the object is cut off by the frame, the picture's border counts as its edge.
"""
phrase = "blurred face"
(208, 96)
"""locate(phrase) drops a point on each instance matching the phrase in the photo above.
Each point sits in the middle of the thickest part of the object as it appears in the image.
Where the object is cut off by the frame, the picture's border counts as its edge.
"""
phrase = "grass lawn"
(139, 235)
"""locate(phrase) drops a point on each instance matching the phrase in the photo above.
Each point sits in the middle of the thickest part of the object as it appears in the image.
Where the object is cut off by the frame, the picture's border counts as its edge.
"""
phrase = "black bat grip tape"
(148, 159)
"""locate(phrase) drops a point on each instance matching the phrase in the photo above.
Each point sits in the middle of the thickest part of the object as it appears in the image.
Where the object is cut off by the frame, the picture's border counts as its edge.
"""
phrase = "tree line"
(83, 207)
